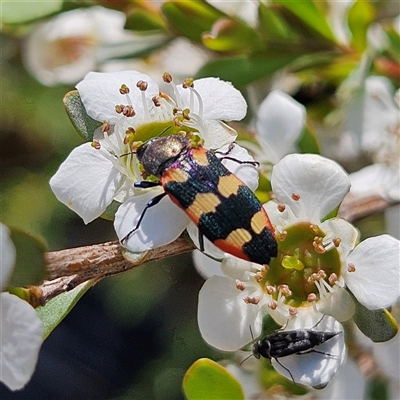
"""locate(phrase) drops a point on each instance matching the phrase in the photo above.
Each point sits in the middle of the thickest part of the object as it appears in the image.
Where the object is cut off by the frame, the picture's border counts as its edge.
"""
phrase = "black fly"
(285, 343)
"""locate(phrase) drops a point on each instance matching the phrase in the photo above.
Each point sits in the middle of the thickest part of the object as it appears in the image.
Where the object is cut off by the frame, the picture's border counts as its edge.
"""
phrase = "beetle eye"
(256, 351)
(140, 151)
(142, 148)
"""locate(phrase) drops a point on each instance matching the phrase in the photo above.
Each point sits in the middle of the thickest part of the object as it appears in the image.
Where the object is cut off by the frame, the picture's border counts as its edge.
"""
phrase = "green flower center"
(151, 130)
(302, 260)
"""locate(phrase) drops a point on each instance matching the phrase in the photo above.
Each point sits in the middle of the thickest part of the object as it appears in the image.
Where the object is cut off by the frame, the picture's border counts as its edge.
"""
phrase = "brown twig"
(354, 208)
(70, 267)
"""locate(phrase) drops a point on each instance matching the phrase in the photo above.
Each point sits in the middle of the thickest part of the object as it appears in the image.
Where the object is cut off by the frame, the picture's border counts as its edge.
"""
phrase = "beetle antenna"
(250, 355)
(160, 134)
(252, 339)
(164, 130)
(127, 154)
(251, 333)
(320, 320)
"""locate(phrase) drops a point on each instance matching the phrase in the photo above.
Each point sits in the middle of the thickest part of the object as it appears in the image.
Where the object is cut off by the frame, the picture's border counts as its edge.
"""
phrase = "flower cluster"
(317, 260)
(133, 110)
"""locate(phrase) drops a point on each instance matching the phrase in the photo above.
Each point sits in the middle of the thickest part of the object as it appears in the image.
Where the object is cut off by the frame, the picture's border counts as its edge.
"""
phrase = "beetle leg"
(254, 163)
(155, 200)
(226, 157)
(317, 351)
(201, 242)
(225, 153)
(146, 184)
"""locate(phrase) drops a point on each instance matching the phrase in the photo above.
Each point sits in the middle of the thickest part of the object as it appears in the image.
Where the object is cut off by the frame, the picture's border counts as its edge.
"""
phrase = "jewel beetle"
(285, 343)
(224, 209)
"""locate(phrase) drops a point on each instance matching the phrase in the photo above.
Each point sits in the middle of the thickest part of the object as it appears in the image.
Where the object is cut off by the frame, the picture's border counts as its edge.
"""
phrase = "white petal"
(376, 280)
(280, 121)
(245, 9)
(21, 333)
(338, 228)
(221, 101)
(100, 94)
(161, 225)
(320, 182)
(338, 304)
(380, 111)
(7, 256)
(209, 248)
(86, 182)
(223, 317)
(348, 383)
(337, 17)
(377, 180)
(246, 172)
(237, 268)
(278, 218)
(217, 134)
(115, 21)
(206, 266)
(305, 318)
(315, 369)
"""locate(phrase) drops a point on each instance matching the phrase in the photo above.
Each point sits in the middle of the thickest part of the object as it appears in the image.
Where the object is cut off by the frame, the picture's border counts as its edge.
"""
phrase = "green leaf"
(310, 15)
(142, 20)
(359, 18)
(272, 26)
(308, 142)
(378, 325)
(207, 380)
(58, 308)
(109, 213)
(84, 124)
(242, 70)
(21, 11)
(232, 36)
(377, 388)
(30, 263)
(191, 18)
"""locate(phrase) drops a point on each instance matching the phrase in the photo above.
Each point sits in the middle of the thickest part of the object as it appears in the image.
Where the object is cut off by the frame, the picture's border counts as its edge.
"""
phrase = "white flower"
(381, 114)
(21, 330)
(279, 123)
(96, 174)
(66, 47)
(380, 138)
(310, 187)
(316, 261)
